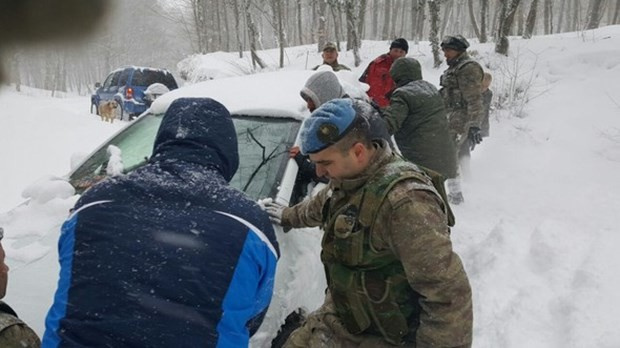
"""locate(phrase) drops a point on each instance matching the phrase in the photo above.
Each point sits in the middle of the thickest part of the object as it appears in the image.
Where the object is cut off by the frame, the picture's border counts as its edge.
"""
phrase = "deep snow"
(537, 232)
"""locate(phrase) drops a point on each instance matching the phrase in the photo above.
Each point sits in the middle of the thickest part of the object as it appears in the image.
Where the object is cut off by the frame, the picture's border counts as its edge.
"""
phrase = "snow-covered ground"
(537, 232)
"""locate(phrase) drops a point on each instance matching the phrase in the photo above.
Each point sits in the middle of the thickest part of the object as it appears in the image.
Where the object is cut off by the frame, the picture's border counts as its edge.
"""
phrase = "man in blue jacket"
(168, 255)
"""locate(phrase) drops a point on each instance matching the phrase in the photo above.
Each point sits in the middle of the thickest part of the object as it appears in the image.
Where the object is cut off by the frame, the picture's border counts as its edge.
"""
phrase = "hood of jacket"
(199, 131)
(405, 70)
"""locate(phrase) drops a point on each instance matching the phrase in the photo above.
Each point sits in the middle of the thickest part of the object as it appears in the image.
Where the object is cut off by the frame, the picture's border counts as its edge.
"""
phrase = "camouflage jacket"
(336, 66)
(461, 89)
(411, 223)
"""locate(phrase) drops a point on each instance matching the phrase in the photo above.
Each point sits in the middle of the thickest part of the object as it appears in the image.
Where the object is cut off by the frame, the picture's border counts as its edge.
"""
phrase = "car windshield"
(263, 152)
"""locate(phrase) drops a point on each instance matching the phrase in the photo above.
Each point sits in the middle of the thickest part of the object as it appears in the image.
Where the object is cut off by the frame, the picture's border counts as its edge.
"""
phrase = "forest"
(162, 33)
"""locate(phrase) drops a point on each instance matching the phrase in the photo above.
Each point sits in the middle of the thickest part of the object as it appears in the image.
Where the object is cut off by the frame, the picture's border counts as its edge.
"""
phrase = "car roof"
(139, 68)
(274, 94)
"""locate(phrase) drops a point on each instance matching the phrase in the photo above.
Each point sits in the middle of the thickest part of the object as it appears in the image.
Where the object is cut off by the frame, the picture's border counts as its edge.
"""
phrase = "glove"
(274, 210)
(474, 137)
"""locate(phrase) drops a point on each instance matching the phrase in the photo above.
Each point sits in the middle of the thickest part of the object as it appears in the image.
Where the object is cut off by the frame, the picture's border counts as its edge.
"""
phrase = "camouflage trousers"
(458, 125)
(323, 329)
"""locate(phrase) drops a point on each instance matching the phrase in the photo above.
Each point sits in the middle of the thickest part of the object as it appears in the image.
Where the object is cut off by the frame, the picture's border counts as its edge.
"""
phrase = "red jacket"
(377, 75)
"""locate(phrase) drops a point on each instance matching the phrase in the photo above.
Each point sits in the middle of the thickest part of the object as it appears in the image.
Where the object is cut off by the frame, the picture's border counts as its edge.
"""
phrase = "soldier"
(13, 331)
(330, 57)
(461, 89)
(417, 118)
(393, 278)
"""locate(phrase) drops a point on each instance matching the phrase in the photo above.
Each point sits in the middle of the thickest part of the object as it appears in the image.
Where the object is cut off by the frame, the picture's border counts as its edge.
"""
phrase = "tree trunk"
(278, 23)
(616, 19)
(506, 19)
(520, 20)
(375, 20)
(421, 19)
(530, 23)
(558, 28)
(433, 9)
(352, 25)
(484, 18)
(335, 8)
(472, 18)
(237, 15)
(299, 23)
(548, 17)
(253, 36)
(395, 8)
(387, 20)
(322, 28)
(595, 14)
(446, 18)
(362, 18)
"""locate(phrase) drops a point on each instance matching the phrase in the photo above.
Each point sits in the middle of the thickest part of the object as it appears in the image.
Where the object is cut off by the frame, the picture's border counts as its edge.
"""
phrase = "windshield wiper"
(264, 160)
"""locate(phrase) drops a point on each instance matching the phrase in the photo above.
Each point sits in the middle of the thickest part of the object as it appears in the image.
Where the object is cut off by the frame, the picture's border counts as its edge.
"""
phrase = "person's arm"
(470, 84)
(308, 213)
(4, 273)
(419, 236)
(396, 113)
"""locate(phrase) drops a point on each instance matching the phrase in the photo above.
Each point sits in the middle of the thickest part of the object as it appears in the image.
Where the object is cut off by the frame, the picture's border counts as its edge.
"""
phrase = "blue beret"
(327, 125)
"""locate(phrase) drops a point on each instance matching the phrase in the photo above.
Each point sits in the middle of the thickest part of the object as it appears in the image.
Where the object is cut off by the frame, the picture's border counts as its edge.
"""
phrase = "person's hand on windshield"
(293, 151)
(274, 210)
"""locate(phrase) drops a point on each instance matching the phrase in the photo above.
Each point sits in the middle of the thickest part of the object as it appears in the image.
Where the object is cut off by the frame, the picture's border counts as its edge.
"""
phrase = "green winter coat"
(417, 118)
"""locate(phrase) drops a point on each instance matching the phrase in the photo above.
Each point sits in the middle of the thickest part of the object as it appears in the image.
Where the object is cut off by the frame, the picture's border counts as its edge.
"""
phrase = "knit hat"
(457, 42)
(327, 125)
(400, 43)
(322, 87)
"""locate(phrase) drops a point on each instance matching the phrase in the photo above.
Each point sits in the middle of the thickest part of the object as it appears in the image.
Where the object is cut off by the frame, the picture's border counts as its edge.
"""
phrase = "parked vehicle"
(127, 86)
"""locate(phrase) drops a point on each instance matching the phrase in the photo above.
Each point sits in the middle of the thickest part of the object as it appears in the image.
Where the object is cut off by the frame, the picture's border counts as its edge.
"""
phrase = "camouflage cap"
(330, 46)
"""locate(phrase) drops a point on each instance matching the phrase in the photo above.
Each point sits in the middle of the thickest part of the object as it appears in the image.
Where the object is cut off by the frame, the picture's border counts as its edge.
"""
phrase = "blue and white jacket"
(169, 255)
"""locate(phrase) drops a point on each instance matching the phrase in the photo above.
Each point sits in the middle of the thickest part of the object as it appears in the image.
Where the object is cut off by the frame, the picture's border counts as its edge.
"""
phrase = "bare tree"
(595, 13)
(386, 20)
(472, 18)
(420, 20)
(236, 10)
(531, 20)
(616, 19)
(558, 28)
(548, 16)
(352, 13)
(434, 6)
(253, 34)
(506, 19)
(322, 27)
(277, 10)
(484, 18)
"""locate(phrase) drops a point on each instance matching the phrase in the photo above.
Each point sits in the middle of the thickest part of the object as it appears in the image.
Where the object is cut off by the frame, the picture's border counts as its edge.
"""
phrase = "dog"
(107, 110)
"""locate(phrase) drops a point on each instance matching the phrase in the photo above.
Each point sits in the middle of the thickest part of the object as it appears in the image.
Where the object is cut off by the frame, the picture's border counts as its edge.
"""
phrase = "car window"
(145, 78)
(263, 152)
(108, 81)
(124, 77)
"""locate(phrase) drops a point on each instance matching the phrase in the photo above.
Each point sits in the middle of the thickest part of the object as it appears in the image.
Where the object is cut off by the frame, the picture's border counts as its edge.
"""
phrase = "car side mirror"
(97, 84)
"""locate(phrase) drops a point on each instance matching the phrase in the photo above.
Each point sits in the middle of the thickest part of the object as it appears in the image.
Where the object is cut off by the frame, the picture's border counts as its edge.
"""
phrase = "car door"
(110, 86)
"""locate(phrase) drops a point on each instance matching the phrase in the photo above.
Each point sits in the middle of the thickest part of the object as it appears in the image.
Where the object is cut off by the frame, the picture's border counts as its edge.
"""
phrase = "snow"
(537, 232)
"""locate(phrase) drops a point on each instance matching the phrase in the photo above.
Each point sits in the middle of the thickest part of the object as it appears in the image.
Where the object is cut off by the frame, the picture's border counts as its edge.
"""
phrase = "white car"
(267, 111)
